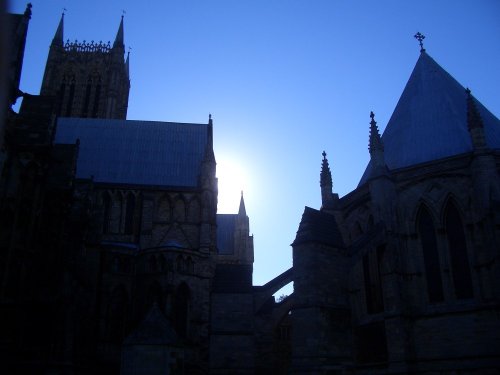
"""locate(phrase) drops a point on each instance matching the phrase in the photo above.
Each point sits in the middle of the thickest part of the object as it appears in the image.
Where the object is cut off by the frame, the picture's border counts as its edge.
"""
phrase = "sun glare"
(232, 180)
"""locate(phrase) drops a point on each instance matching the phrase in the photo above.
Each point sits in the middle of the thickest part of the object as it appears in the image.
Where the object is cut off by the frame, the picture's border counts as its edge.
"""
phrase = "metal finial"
(209, 116)
(123, 12)
(420, 37)
(324, 155)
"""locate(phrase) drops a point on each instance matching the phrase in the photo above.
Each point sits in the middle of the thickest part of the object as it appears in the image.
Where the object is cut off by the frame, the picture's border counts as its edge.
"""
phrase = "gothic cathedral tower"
(87, 79)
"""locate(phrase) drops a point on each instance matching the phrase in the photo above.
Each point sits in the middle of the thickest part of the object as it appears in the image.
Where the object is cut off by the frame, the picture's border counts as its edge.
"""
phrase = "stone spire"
(375, 145)
(119, 36)
(59, 35)
(475, 123)
(242, 211)
(325, 182)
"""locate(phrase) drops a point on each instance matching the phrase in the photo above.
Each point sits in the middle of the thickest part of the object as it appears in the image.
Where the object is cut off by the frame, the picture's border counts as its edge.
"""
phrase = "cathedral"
(114, 259)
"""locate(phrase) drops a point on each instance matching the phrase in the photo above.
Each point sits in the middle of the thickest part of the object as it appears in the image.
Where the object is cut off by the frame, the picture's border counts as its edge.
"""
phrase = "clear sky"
(283, 79)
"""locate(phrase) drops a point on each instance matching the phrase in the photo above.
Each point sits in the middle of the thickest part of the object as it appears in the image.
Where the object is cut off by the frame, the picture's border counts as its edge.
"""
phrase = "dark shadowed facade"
(402, 274)
(113, 259)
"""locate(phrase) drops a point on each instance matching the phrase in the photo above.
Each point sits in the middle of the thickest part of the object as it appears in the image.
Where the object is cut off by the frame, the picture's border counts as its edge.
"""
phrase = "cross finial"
(420, 37)
(324, 155)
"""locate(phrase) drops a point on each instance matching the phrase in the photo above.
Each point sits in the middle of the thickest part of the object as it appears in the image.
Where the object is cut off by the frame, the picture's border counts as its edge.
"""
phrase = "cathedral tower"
(88, 79)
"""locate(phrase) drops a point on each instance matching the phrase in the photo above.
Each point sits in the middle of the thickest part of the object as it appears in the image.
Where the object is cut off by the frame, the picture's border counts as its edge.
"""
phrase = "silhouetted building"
(109, 252)
(402, 275)
(113, 259)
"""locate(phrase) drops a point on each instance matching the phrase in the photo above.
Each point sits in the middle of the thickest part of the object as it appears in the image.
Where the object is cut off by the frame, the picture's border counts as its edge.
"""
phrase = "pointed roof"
(242, 210)
(119, 36)
(59, 35)
(430, 120)
(155, 329)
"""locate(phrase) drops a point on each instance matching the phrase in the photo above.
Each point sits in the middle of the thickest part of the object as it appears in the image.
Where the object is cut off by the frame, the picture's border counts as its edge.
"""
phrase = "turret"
(382, 189)
(376, 148)
(325, 182)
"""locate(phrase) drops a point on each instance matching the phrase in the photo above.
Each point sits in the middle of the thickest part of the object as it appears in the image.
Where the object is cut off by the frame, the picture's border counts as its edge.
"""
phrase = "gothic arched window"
(457, 247)
(130, 214)
(163, 213)
(116, 213)
(180, 211)
(117, 314)
(69, 104)
(97, 97)
(62, 90)
(373, 280)
(154, 295)
(86, 100)
(428, 241)
(194, 211)
(181, 310)
(106, 202)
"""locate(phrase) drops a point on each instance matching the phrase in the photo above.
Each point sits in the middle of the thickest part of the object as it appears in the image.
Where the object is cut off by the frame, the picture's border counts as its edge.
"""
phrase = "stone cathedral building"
(113, 259)
(402, 275)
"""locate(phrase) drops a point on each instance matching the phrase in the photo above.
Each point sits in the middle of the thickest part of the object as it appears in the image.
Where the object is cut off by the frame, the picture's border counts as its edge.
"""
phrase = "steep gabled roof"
(136, 152)
(430, 120)
(318, 227)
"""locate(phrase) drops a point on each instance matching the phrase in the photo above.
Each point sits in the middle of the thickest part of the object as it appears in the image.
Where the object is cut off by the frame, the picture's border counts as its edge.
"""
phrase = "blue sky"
(283, 79)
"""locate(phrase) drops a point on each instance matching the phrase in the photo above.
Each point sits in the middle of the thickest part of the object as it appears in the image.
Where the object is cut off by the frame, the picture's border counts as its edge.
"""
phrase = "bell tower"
(88, 79)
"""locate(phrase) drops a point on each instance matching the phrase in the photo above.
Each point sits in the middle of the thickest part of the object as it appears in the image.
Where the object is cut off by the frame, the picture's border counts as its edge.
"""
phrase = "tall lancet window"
(428, 241)
(106, 202)
(86, 101)
(62, 91)
(457, 247)
(181, 310)
(71, 96)
(97, 97)
(130, 214)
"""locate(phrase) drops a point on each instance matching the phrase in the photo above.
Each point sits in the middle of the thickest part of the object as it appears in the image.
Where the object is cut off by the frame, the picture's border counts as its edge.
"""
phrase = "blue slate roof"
(430, 120)
(226, 224)
(136, 152)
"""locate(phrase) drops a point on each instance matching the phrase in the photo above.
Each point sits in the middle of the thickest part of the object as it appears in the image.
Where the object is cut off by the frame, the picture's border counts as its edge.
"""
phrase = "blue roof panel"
(430, 120)
(136, 152)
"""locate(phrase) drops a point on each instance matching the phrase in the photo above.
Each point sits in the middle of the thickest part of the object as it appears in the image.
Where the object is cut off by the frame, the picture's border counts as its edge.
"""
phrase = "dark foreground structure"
(113, 258)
